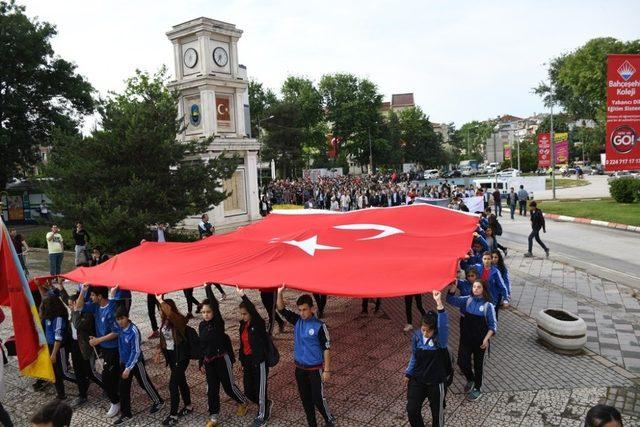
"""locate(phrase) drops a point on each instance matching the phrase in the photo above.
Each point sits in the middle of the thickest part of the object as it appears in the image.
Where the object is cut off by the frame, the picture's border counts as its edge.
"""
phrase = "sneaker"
(61, 397)
(198, 308)
(171, 420)
(123, 419)
(258, 423)
(547, 252)
(408, 328)
(189, 316)
(269, 410)
(474, 394)
(154, 334)
(468, 387)
(528, 255)
(39, 385)
(78, 401)
(114, 409)
(505, 252)
(212, 422)
(185, 411)
(223, 297)
(242, 409)
(329, 424)
(156, 407)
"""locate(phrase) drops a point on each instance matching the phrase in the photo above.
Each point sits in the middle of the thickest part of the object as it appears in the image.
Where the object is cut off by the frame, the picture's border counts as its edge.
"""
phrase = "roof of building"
(508, 118)
(402, 100)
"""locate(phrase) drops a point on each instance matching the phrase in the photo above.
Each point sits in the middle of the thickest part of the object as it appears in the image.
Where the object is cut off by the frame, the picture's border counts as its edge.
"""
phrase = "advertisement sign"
(544, 150)
(507, 152)
(562, 148)
(15, 208)
(623, 113)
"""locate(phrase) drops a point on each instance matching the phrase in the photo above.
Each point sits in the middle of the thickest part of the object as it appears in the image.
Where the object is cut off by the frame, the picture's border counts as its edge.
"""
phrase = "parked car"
(453, 174)
(620, 174)
(431, 174)
(510, 172)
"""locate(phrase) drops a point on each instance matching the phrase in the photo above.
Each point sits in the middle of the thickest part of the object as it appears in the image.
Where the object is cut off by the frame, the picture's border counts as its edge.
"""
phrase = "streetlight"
(260, 151)
(553, 142)
(370, 150)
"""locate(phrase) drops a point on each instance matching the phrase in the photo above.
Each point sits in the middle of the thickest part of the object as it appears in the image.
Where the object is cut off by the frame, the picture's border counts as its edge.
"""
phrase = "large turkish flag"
(379, 252)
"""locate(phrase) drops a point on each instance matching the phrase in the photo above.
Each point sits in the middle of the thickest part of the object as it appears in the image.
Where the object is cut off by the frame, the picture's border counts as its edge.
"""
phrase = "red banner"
(544, 150)
(623, 112)
(379, 252)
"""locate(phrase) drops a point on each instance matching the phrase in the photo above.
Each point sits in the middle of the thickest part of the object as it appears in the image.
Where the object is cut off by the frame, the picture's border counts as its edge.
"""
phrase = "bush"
(625, 190)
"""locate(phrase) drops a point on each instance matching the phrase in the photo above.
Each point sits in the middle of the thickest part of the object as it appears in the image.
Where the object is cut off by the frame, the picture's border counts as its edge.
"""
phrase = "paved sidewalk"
(526, 384)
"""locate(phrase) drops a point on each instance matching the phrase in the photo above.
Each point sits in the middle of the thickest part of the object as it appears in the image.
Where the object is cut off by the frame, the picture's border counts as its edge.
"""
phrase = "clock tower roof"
(203, 24)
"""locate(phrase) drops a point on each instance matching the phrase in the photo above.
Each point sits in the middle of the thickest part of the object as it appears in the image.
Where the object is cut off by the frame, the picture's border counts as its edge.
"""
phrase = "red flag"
(373, 252)
(33, 354)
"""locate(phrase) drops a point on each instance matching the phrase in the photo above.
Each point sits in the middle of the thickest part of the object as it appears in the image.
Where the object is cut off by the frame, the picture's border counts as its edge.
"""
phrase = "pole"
(495, 157)
(518, 148)
(553, 146)
(259, 160)
(370, 153)
(468, 146)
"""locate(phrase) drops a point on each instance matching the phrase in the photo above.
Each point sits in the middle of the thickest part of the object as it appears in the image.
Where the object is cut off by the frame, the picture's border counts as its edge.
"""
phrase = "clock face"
(220, 56)
(190, 57)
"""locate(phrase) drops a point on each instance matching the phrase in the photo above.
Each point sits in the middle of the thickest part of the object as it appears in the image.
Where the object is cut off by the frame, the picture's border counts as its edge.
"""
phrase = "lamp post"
(260, 151)
(553, 143)
(370, 149)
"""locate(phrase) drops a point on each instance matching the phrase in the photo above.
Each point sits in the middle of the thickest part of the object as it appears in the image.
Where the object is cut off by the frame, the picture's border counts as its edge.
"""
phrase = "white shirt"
(161, 235)
(168, 337)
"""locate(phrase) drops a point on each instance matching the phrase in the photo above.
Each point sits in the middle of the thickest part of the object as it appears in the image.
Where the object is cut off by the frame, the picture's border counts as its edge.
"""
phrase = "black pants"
(365, 304)
(535, 234)
(83, 371)
(5, 419)
(311, 390)
(254, 379)
(269, 301)
(178, 382)
(498, 207)
(321, 302)
(407, 306)
(220, 371)
(58, 371)
(188, 294)
(472, 373)
(151, 309)
(416, 394)
(522, 207)
(145, 383)
(111, 373)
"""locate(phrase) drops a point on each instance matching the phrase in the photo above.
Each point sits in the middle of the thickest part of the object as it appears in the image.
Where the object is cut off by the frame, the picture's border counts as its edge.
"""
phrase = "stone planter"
(561, 330)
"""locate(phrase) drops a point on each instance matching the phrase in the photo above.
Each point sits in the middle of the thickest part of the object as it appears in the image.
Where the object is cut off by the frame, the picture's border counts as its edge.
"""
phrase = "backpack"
(193, 343)
(273, 355)
(445, 354)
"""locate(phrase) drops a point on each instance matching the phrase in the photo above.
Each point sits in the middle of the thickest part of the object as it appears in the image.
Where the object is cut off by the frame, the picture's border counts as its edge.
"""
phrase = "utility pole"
(370, 153)
(553, 145)
(518, 148)
(495, 156)
(260, 153)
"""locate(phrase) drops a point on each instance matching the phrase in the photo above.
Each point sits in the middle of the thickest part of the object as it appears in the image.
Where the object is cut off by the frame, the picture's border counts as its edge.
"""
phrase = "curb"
(597, 223)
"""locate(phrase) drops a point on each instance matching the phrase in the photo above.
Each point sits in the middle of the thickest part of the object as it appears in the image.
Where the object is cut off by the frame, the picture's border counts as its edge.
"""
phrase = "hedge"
(625, 189)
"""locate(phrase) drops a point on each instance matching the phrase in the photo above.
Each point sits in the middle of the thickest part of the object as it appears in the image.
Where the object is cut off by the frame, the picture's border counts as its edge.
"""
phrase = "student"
(216, 363)
(123, 297)
(407, 309)
(253, 351)
(53, 414)
(175, 348)
(268, 298)
(478, 247)
(537, 223)
(492, 277)
(365, 306)
(512, 201)
(426, 374)
(131, 365)
(479, 324)
(311, 356)
(603, 416)
(492, 241)
(498, 261)
(106, 339)
(82, 355)
(56, 324)
(465, 285)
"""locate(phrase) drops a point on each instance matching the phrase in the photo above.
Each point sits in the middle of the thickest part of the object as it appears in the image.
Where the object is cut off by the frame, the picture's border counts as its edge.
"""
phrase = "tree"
(420, 142)
(133, 172)
(352, 106)
(284, 137)
(38, 91)
(579, 78)
(471, 138)
(260, 100)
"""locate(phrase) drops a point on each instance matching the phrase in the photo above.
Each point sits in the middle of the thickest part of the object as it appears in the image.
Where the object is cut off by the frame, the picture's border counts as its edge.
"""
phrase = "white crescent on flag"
(385, 230)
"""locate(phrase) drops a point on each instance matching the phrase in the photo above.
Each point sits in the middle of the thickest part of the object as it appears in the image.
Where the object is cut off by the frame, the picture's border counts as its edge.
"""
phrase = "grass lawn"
(567, 182)
(604, 210)
(287, 207)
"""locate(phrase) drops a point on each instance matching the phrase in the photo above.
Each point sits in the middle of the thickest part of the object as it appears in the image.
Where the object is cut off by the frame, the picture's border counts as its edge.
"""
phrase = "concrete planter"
(561, 330)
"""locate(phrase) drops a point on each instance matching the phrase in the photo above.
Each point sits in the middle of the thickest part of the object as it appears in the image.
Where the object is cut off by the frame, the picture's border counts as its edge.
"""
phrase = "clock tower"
(214, 102)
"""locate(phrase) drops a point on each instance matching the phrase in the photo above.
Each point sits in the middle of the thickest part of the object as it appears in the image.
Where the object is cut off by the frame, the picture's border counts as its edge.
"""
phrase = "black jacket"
(537, 220)
(257, 335)
(212, 336)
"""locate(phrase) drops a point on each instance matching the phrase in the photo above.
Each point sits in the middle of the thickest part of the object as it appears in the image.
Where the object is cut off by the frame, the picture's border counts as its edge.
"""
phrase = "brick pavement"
(526, 384)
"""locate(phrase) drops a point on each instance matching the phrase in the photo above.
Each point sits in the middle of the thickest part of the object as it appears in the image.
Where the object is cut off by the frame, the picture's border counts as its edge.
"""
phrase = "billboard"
(562, 148)
(623, 113)
(544, 150)
(561, 140)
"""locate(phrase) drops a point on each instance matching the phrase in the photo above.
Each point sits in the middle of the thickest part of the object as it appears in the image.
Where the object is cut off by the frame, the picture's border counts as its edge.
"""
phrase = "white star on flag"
(309, 245)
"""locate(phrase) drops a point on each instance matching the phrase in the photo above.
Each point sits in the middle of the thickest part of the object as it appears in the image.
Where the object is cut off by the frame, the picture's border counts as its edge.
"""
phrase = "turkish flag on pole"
(379, 252)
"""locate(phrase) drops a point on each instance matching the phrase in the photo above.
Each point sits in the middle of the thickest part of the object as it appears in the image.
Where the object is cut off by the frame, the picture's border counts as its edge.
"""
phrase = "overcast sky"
(463, 60)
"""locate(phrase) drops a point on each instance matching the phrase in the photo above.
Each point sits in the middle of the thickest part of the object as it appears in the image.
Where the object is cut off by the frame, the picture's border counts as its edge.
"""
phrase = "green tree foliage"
(39, 91)
(470, 139)
(260, 100)
(133, 172)
(352, 106)
(420, 142)
(625, 189)
(579, 78)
